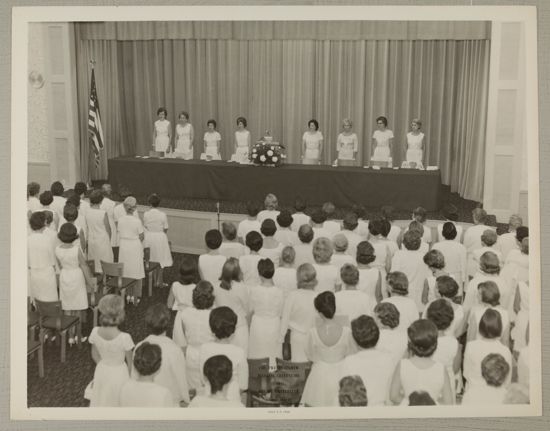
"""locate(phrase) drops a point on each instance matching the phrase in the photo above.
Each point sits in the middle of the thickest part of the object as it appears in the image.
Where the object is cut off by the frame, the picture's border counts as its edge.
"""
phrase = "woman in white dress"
(415, 144)
(347, 144)
(112, 352)
(327, 345)
(75, 274)
(212, 141)
(155, 223)
(285, 275)
(266, 306)
(370, 277)
(181, 292)
(131, 234)
(99, 232)
(162, 132)
(312, 144)
(242, 141)
(271, 247)
(184, 137)
(41, 260)
(233, 293)
(420, 372)
(382, 141)
(327, 274)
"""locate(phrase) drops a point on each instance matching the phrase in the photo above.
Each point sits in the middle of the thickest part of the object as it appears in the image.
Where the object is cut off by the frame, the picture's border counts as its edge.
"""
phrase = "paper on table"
(432, 168)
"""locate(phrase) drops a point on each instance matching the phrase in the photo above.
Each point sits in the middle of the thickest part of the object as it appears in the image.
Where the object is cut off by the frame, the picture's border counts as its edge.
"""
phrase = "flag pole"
(92, 63)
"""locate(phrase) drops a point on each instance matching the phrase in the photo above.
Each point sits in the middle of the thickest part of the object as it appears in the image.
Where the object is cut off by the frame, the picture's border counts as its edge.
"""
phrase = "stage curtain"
(279, 85)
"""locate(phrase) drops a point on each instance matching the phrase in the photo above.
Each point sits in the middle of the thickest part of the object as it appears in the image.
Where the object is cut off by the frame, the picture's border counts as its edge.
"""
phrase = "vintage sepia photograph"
(275, 212)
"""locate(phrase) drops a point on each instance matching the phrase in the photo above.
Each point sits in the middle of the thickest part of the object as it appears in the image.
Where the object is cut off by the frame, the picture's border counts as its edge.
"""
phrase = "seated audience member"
(80, 190)
(420, 215)
(285, 275)
(251, 222)
(171, 373)
(421, 398)
(108, 205)
(181, 292)
(352, 392)
(507, 241)
(447, 288)
(392, 340)
(222, 322)
(249, 262)
(454, 253)
(285, 235)
(435, 261)
(495, 371)
(271, 248)
(374, 366)
(317, 219)
(143, 391)
(299, 218)
(420, 372)
(218, 371)
(395, 231)
(410, 261)
(46, 200)
(488, 242)
(516, 267)
(270, 212)
(450, 212)
(349, 225)
(399, 296)
(490, 329)
(370, 278)
(230, 247)
(340, 257)
(304, 249)
(211, 263)
(330, 224)
(327, 274)
(351, 302)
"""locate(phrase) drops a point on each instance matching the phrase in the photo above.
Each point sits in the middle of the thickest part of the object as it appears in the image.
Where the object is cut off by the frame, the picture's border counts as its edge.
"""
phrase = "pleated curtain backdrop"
(279, 85)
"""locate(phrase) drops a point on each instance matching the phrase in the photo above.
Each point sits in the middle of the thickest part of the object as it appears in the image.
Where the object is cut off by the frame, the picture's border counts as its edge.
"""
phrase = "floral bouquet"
(265, 152)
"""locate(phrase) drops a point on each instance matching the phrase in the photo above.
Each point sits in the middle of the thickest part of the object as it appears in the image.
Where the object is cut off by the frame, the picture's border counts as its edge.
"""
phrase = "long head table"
(344, 186)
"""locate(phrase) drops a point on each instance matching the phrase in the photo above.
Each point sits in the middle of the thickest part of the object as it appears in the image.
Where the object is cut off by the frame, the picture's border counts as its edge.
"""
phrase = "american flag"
(94, 122)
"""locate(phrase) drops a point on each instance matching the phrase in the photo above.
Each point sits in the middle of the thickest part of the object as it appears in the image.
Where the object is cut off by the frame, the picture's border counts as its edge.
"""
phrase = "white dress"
(474, 354)
(368, 279)
(233, 249)
(111, 372)
(431, 379)
(299, 316)
(313, 147)
(183, 295)
(408, 313)
(382, 149)
(347, 146)
(328, 277)
(183, 141)
(242, 137)
(162, 140)
(145, 394)
(41, 262)
(99, 243)
(212, 139)
(155, 222)
(131, 248)
(246, 226)
(237, 299)
(411, 263)
(72, 284)
(210, 267)
(353, 303)
(249, 267)
(519, 333)
(328, 361)
(394, 342)
(285, 279)
(414, 147)
(272, 253)
(266, 304)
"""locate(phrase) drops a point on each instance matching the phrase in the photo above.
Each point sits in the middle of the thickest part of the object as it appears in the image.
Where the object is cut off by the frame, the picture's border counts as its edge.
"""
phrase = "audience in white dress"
(318, 218)
(285, 275)
(181, 291)
(349, 225)
(399, 291)
(249, 262)
(508, 241)
(450, 213)
(299, 218)
(285, 235)
(370, 278)
(250, 223)
(211, 263)
(351, 302)
(271, 248)
(340, 257)
(330, 223)
(327, 274)
(454, 253)
(270, 211)
(392, 339)
(304, 248)
(230, 247)
(495, 371)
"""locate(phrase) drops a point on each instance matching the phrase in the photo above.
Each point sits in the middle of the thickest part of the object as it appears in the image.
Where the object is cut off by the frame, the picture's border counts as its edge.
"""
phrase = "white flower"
(271, 147)
(262, 158)
(270, 153)
(275, 159)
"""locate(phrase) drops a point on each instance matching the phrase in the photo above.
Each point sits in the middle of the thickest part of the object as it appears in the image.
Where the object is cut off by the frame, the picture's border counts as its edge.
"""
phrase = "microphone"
(218, 213)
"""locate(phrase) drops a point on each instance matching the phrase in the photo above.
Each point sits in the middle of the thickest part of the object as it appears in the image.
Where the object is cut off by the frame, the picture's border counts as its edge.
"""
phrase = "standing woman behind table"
(347, 144)
(382, 140)
(184, 136)
(312, 144)
(130, 231)
(415, 143)
(162, 132)
(242, 141)
(212, 141)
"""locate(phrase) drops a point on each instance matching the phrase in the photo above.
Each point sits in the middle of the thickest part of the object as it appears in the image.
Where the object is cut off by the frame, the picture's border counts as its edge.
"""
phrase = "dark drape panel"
(279, 85)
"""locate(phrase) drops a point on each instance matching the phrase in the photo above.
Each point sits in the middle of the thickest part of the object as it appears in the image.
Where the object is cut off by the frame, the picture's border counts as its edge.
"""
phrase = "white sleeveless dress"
(99, 243)
(72, 285)
(347, 146)
(212, 139)
(241, 153)
(162, 140)
(382, 149)
(313, 147)
(155, 221)
(430, 379)
(183, 141)
(41, 262)
(131, 248)
(414, 147)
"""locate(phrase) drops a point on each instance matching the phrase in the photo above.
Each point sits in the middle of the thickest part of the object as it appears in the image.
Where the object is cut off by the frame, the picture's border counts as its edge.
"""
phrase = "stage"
(404, 189)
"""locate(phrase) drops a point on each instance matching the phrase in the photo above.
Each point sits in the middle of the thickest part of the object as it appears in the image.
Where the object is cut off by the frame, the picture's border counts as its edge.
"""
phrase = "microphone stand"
(218, 213)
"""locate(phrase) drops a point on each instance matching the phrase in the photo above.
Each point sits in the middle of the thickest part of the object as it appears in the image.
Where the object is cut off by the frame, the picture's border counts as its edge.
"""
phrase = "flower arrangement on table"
(265, 152)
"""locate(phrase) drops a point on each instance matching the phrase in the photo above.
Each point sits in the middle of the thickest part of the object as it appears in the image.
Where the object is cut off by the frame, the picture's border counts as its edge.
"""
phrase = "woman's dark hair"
(305, 233)
(285, 219)
(359, 210)
(188, 271)
(412, 240)
(365, 332)
(446, 286)
(387, 212)
(33, 188)
(449, 230)
(325, 303)
(80, 188)
(352, 392)
(365, 253)
(388, 314)
(154, 200)
(96, 197)
(57, 188)
(268, 227)
(229, 231)
(398, 282)
(266, 268)
(162, 109)
(254, 240)
(419, 214)
(218, 370)
(415, 225)
(213, 239)
(489, 293)
(522, 232)
(185, 114)
(203, 295)
(315, 123)
(223, 321)
(241, 120)
(383, 120)
(350, 221)
(147, 359)
(46, 198)
(490, 325)
(385, 227)
(157, 319)
(70, 212)
(231, 272)
(434, 259)
(318, 216)
(441, 313)
(300, 204)
(213, 122)
(422, 338)
(450, 212)
(375, 226)
(74, 199)
(67, 233)
(252, 208)
(37, 220)
(494, 369)
(421, 398)
(349, 274)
